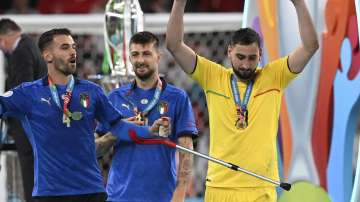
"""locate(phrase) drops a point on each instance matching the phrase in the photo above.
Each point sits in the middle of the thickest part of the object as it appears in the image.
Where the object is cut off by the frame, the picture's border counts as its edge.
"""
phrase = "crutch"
(167, 142)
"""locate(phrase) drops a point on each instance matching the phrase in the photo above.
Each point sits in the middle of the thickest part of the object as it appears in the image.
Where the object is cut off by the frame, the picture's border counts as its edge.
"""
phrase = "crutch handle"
(138, 140)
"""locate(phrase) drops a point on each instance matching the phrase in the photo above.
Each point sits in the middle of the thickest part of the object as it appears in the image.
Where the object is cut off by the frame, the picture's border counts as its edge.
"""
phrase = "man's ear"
(159, 55)
(229, 48)
(47, 56)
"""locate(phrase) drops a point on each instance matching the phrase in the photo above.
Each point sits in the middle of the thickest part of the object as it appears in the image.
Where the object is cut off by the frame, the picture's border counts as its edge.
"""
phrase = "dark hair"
(245, 36)
(145, 37)
(7, 25)
(47, 37)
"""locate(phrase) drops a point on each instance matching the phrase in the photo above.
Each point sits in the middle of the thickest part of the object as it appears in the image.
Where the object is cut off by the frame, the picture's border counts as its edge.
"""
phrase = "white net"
(207, 34)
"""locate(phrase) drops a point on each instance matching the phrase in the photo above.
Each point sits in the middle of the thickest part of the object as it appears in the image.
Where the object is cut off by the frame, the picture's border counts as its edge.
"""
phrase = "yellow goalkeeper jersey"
(253, 148)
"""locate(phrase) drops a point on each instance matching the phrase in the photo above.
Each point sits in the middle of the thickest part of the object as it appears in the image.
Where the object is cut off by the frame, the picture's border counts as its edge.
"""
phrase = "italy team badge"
(163, 109)
(84, 100)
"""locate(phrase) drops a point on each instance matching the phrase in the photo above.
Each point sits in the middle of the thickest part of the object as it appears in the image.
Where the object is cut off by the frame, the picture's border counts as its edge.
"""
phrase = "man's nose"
(140, 59)
(73, 52)
(245, 64)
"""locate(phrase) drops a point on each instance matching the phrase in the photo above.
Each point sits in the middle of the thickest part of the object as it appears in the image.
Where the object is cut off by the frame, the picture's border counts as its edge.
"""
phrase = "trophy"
(123, 18)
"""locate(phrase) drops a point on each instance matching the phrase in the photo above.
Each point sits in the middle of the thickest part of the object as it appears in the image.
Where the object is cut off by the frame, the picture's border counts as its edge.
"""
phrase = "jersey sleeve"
(15, 103)
(104, 126)
(185, 121)
(282, 71)
(105, 111)
(205, 71)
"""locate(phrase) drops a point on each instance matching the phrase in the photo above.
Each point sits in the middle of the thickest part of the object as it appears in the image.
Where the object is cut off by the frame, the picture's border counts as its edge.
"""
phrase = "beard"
(143, 76)
(63, 67)
(244, 74)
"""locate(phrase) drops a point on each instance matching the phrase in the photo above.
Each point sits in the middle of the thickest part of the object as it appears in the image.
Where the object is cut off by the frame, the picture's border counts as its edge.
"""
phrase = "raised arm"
(309, 43)
(184, 169)
(182, 53)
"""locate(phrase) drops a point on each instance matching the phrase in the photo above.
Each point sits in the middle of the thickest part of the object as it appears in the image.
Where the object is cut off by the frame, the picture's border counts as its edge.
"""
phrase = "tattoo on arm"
(185, 162)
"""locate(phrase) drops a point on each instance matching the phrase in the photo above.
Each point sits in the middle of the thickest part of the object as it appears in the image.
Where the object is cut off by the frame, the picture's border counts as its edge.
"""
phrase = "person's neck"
(148, 83)
(247, 80)
(58, 78)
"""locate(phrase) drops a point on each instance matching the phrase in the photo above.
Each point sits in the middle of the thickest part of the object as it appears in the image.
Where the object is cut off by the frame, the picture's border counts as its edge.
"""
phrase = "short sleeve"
(281, 69)
(204, 71)
(15, 102)
(185, 121)
(105, 111)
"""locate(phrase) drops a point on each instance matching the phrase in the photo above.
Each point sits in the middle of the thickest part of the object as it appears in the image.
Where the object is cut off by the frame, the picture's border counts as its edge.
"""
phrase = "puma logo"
(126, 106)
(46, 100)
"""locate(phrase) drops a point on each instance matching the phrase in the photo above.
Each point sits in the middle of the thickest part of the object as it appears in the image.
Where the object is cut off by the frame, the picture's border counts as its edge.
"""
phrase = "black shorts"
(96, 197)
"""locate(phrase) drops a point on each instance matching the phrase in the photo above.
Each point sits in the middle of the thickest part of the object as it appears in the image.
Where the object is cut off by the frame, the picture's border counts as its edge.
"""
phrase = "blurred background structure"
(319, 125)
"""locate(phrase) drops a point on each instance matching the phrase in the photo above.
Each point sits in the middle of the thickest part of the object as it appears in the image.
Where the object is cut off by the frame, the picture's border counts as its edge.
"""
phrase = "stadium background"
(310, 143)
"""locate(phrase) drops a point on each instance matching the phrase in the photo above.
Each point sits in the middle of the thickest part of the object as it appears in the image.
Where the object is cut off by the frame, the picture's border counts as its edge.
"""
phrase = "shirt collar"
(16, 43)
(164, 83)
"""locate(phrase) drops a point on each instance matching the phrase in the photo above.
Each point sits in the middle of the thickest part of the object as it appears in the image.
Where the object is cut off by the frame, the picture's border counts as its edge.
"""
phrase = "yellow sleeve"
(205, 71)
(280, 69)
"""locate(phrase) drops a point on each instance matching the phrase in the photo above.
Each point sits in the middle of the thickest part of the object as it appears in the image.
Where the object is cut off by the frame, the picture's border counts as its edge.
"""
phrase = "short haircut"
(47, 37)
(245, 36)
(7, 25)
(145, 37)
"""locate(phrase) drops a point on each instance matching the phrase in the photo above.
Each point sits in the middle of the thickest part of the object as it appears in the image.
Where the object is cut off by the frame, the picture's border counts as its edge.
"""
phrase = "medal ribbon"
(67, 96)
(152, 103)
(240, 107)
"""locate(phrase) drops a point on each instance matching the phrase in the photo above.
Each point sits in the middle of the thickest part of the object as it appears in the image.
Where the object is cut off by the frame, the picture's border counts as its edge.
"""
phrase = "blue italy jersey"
(147, 173)
(65, 157)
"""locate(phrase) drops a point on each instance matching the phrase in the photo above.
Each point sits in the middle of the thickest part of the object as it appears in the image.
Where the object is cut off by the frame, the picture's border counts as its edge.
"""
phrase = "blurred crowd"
(98, 6)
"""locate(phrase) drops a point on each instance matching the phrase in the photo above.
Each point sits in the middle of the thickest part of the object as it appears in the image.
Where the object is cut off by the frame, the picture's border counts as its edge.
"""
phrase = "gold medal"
(76, 116)
(138, 117)
(241, 123)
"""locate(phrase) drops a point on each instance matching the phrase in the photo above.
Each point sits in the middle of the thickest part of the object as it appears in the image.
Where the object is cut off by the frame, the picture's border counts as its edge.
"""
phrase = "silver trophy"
(123, 18)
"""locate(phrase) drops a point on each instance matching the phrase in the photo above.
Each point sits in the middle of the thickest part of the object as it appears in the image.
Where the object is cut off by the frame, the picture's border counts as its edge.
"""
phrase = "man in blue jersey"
(58, 113)
(149, 174)
(23, 63)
